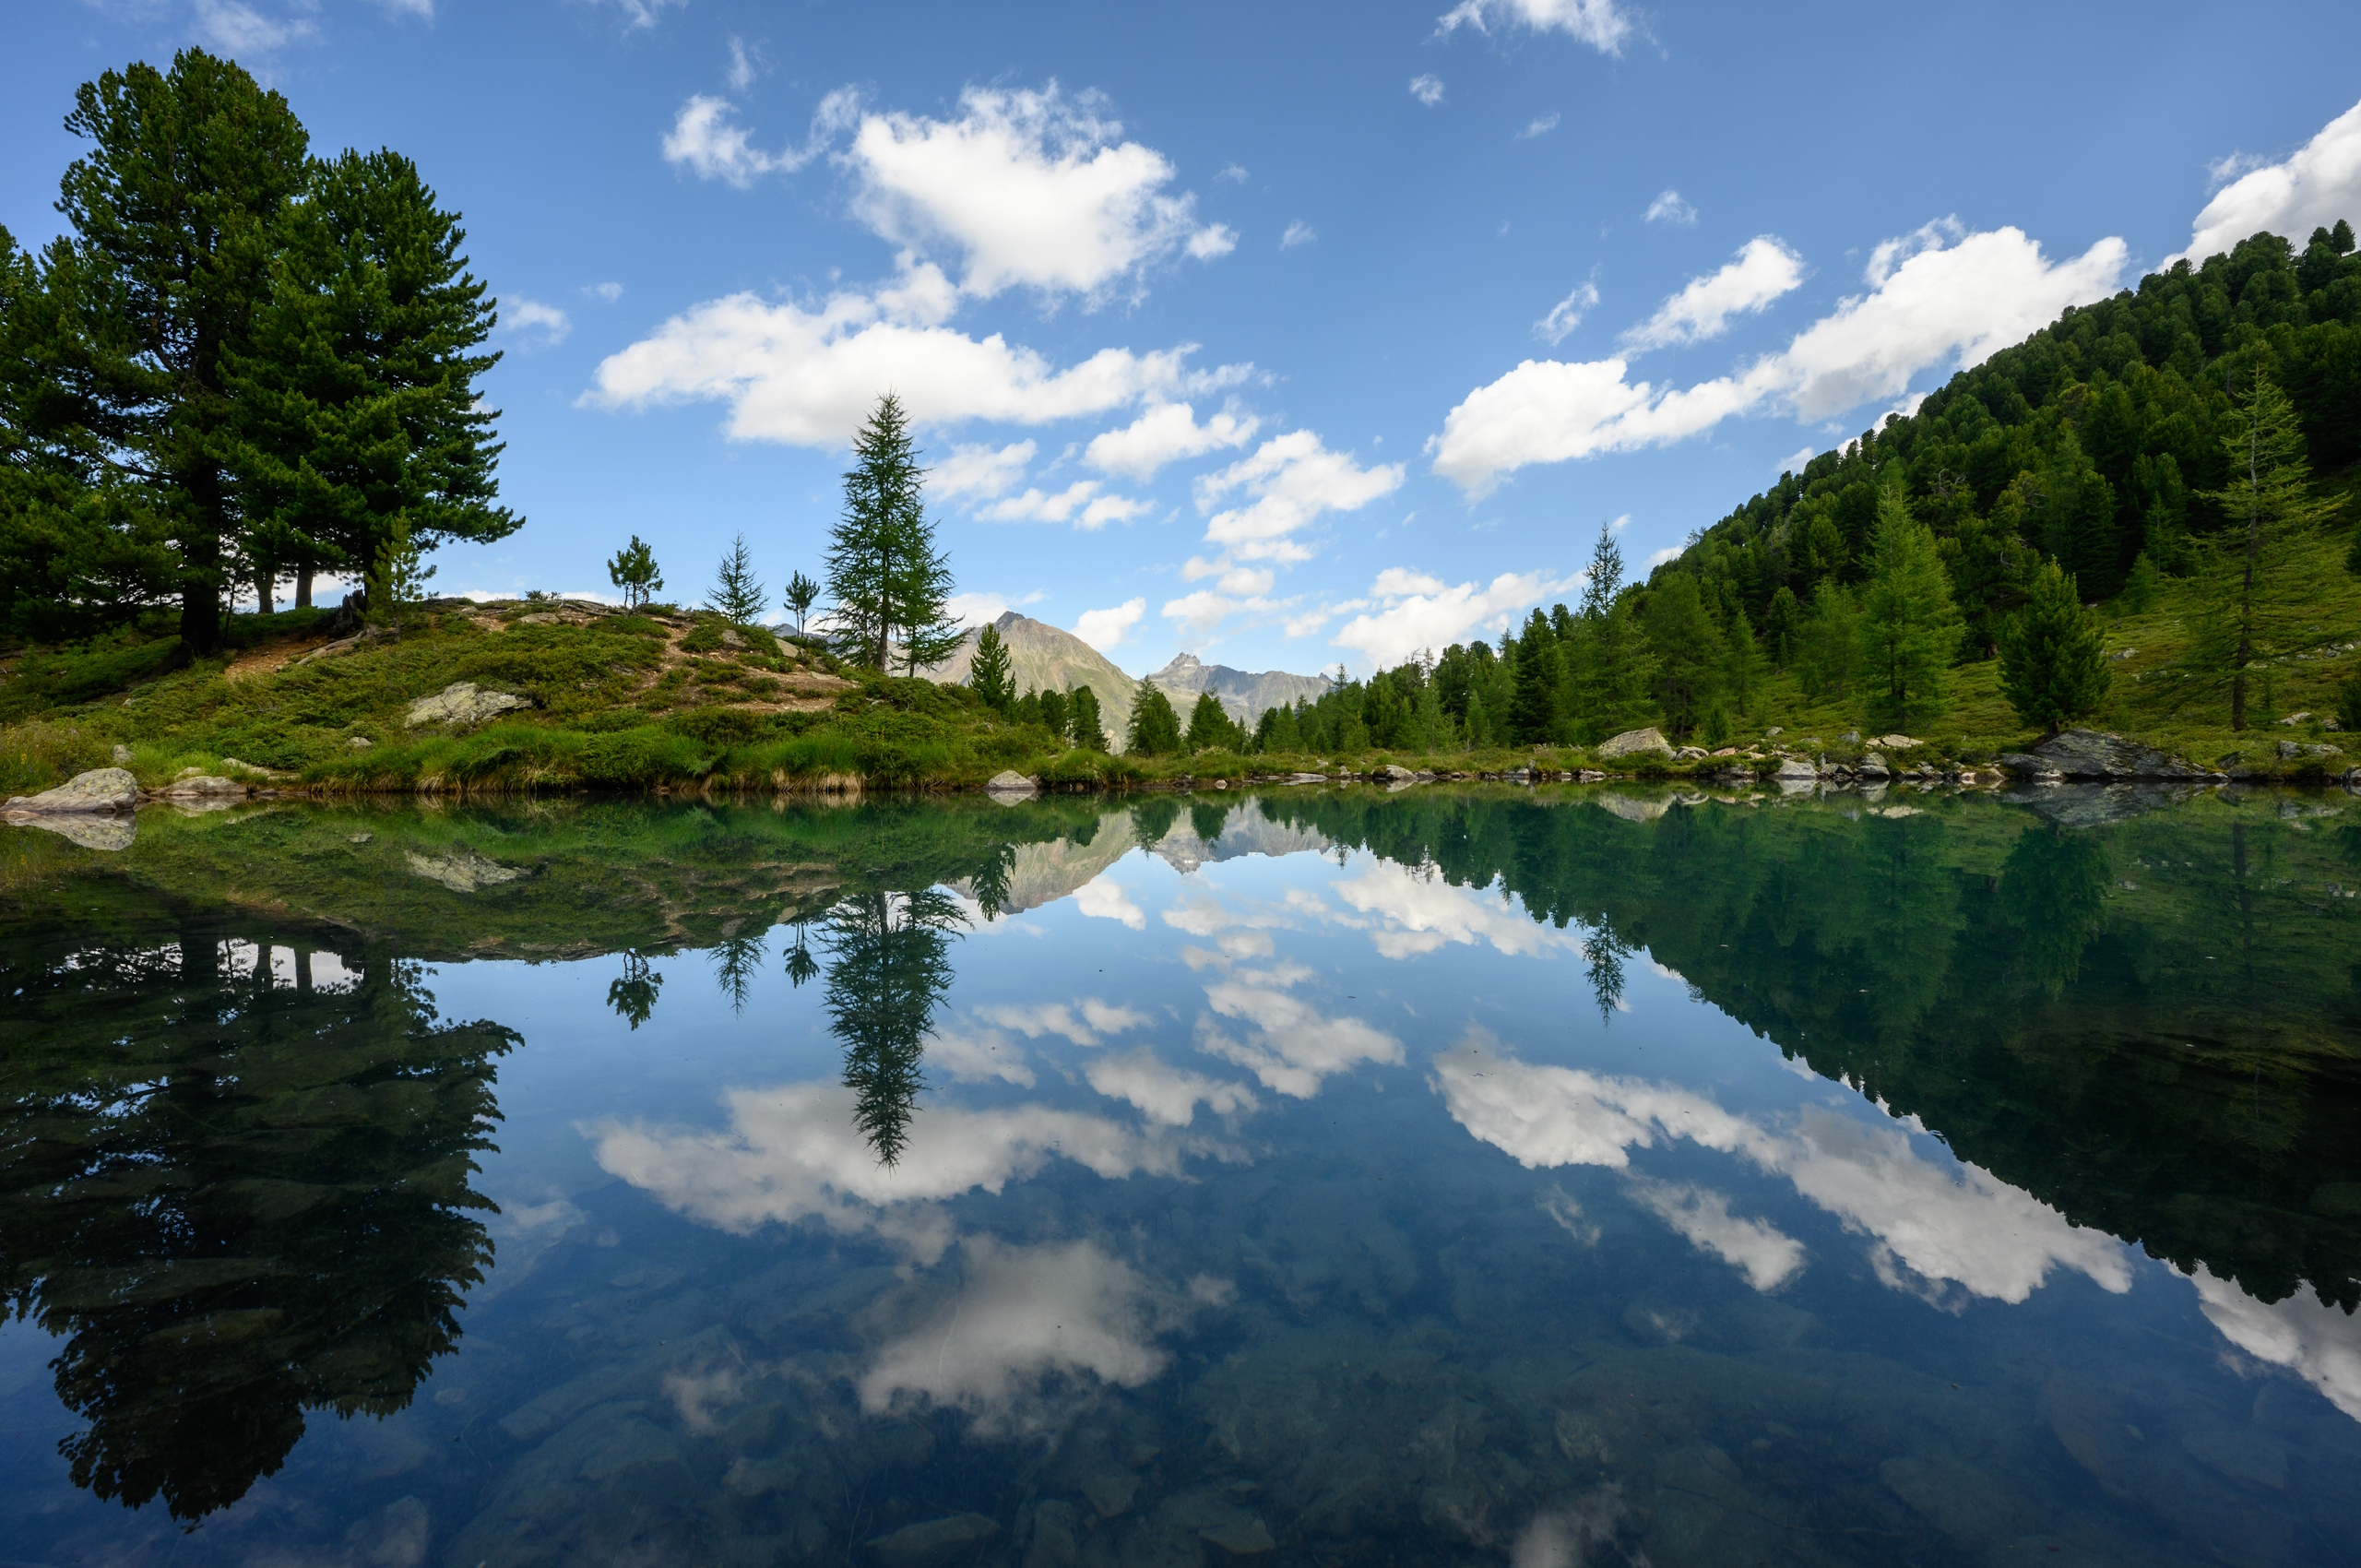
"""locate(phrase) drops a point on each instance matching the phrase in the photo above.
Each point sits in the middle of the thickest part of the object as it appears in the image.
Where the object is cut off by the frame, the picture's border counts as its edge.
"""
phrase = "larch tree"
(2053, 664)
(1908, 630)
(988, 672)
(735, 592)
(888, 579)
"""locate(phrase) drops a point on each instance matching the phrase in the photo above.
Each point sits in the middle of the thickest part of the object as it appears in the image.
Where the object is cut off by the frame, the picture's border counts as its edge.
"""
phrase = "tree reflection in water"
(889, 967)
(236, 1194)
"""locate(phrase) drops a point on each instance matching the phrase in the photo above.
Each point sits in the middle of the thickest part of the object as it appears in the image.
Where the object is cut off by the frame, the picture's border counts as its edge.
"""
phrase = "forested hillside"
(2182, 456)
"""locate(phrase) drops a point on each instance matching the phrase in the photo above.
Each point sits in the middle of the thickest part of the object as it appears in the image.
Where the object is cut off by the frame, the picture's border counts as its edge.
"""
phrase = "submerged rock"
(931, 1541)
(465, 871)
(1112, 1495)
(1632, 740)
(461, 704)
(99, 789)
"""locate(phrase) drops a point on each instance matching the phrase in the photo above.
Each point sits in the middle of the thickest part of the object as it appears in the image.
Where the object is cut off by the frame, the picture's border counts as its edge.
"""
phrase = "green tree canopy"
(735, 592)
(1211, 727)
(633, 570)
(1155, 729)
(889, 582)
(1083, 721)
(988, 672)
(2053, 667)
(1908, 629)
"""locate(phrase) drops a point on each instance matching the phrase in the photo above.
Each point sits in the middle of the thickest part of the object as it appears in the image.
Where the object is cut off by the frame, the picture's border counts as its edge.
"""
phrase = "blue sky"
(1285, 335)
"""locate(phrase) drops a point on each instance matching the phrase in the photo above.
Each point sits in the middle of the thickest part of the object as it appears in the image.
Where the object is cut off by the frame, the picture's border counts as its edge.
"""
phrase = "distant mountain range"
(1242, 695)
(1041, 656)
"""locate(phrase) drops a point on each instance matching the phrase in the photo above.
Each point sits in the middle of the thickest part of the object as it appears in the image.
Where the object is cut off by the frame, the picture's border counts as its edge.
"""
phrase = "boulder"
(1008, 782)
(1873, 768)
(1692, 754)
(1636, 741)
(461, 705)
(462, 870)
(92, 830)
(1851, 738)
(99, 789)
(931, 1541)
(2291, 750)
(1796, 769)
(1394, 773)
(2092, 754)
(204, 786)
(1896, 743)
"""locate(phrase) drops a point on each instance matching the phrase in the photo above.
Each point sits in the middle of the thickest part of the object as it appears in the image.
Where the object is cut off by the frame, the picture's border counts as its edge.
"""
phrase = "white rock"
(99, 789)
(1010, 782)
(1632, 741)
(461, 705)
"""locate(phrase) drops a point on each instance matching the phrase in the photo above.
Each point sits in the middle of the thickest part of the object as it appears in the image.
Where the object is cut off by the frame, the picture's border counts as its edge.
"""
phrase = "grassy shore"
(664, 701)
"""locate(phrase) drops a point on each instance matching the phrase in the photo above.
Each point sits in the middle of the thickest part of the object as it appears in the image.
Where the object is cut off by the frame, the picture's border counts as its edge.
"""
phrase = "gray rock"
(108, 831)
(2092, 754)
(1795, 768)
(122, 755)
(1850, 738)
(1692, 754)
(204, 786)
(931, 1542)
(1110, 1495)
(1008, 782)
(99, 789)
(360, 743)
(1394, 773)
(1775, 730)
(1632, 740)
(1896, 743)
(2025, 766)
(1239, 1538)
(461, 705)
(1056, 1531)
(1873, 768)
(463, 871)
(2290, 750)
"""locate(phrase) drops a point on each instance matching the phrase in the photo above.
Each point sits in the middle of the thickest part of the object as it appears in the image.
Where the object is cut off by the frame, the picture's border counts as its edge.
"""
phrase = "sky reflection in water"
(1494, 1179)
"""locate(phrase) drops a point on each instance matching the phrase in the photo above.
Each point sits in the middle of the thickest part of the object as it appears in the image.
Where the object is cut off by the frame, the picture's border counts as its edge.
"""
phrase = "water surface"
(1491, 1176)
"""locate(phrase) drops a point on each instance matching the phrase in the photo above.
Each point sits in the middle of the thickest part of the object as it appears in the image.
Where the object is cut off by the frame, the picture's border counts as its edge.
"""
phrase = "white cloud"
(1103, 629)
(1162, 1093)
(1234, 173)
(809, 377)
(1670, 209)
(1197, 614)
(982, 609)
(232, 28)
(1419, 612)
(541, 326)
(742, 63)
(1213, 240)
(1427, 89)
(1299, 232)
(1934, 1231)
(640, 13)
(1290, 482)
(423, 9)
(2321, 1345)
(794, 1152)
(1415, 914)
(1767, 1256)
(1165, 432)
(1599, 23)
(1764, 269)
(1540, 125)
(1086, 1022)
(1794, 462)
(975, 1059)
(1022, 1317)
(1104, 900)
(607, 294)
(1294, 1043)
(1567, 314)
(704, 139)
(1658, 557)
(2317, 184)
(1031, 188)
(983, 470)
(1079, 503)
(1929, 305)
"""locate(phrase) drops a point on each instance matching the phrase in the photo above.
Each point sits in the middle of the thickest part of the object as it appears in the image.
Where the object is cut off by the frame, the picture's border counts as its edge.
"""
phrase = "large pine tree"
(889, 583)
(1908, 629)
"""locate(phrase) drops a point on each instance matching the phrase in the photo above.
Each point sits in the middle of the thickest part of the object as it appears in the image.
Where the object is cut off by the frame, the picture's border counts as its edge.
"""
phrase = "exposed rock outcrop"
(2092, 754)
(1632, 740)
(462, 705)
(99, 789)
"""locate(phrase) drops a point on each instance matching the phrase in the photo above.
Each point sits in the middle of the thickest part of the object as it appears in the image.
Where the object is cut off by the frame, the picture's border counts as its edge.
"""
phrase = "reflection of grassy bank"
(2154, 1024)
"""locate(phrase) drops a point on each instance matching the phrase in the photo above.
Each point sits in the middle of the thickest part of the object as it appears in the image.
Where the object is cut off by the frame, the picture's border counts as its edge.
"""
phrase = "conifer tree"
(1083, 721)
(1687, 652)
(1154, 728)
(168, 260)
(735, 593)
(1532, 711)
(988, 672)
(1908, 629)
(396, 579)
(1055, 713)
(632, 569)
(800, 591)
(887, 579)
(1782, 626)
(2052, 667)
(1210, 726)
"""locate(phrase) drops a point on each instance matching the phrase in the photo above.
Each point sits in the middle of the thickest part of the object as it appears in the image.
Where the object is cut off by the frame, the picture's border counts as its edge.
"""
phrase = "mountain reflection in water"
(1341, 1176)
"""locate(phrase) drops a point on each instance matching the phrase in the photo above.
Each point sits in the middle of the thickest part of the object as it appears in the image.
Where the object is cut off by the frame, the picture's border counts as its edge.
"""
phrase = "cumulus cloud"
(1031, 188)
(982, 471)
(1103, 629)
(979, 609)
(1670, 209)
(1022, 1317)
(1930, 303)
(1414, 612)
(1199, 612)
(2317, 185)
(1427, 89)
(1599, 23)
(1289, 482)
(1412, 914)
(1763, 269)
(2321, 1345)
(1165, 432)
(707, 140)
(1767, 1256)
(1292, 1043)
(794, 1152)
(809, 375)
(1163, 1093)
(1079, 503)
(1935, 1232)
(978, 1058)
(1104, 901)
(1086, 1022)
(1567, 314)
(233, 28)
(540, 326)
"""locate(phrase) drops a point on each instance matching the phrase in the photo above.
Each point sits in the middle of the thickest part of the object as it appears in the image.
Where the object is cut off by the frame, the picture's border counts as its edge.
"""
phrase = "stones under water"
(1553, 1176)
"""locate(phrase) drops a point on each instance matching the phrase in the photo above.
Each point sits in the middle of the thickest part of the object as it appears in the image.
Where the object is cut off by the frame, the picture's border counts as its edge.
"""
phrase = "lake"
(1476, 1175)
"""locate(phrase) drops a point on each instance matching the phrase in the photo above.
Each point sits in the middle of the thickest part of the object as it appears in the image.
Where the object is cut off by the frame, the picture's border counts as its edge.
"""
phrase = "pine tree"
(2258, 605)
(1688, 650)
(800, 591)
(1744, 669)
(358, 396)
(735, 593)
(1210, 727)
(1782, 627)
(1083, 721)
(171, 215)
(1826, 649)
(1532, 711)
(2053, 668)
(396, 580)
(1908, 629)
(1154, 728)
(887, 579)
(632, 569)
(988, 672)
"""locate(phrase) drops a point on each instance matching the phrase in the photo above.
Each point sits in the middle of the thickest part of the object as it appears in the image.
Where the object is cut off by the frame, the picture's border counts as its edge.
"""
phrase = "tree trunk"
(304, 585)
(201, 595)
